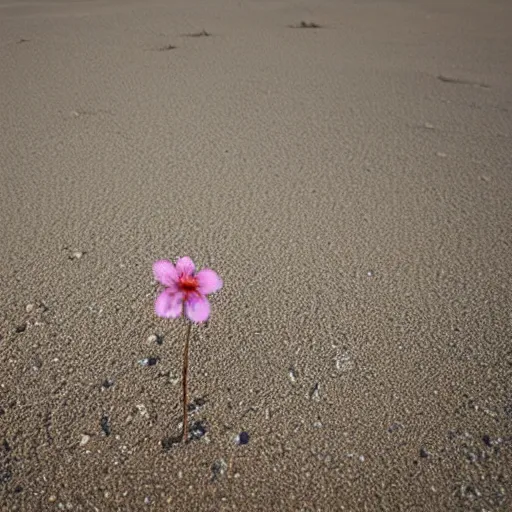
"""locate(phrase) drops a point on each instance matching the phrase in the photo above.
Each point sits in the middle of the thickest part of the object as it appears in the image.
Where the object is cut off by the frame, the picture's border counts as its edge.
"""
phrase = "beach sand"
(352, 185)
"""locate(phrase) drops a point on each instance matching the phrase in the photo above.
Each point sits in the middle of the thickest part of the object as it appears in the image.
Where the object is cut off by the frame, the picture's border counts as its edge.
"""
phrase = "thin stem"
(184, 381)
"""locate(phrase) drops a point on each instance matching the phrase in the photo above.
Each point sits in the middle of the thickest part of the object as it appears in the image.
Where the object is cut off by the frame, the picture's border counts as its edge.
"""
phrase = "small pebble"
(423, 453)
(429, 126)
(314, 394)
(105, 425)
(219, 468)
(292, 374)
(147, 500)
(107, 383)
(196, 405)
(52, 498)
(29, 308)
(168, 442)
(85, 439)
(197, 430)
(148, 361)
(440, 154)
(143, 411)
(370, 273)
(21, 328)
(361, 458)
(153, 338)
(76, 255)
(242, 438)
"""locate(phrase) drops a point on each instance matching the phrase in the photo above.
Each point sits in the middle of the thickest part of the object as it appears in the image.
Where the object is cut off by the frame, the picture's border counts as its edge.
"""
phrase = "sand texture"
(345, 166)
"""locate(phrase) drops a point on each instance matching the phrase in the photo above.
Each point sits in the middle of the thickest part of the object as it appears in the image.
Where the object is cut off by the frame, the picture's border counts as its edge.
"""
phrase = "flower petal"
(165, 272)
(185, 266)
(197, 309)
(169, 305)
(209, 281)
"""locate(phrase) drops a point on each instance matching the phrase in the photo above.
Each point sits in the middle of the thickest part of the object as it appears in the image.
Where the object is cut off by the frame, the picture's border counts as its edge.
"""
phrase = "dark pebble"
(107, 383)
(196, 404)
(6, 446)
(21, 328)
(197, 430)
(313, 393)
(2, 411)
(423, 453)
(169, 442)
(487, 440)
(105, 425)
(243, 438)
(218, 469)
(152, 361)
(5, 476)
(18, 489)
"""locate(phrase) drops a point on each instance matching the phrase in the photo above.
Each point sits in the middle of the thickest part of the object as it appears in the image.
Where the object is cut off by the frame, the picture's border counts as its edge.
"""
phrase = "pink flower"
(183, 286)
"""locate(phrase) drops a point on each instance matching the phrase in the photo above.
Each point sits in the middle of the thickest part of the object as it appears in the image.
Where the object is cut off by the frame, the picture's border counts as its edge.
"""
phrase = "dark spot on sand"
(461, 81)
(487, 440)
(197, 431)
(107, 383)
(243, 438)
(6, 446)
(203, 33)
(218, 468)
(149, 361)
(22, 40)
(196, 404)
(21, 328)
(169, 442)
(306, 24)
(5, 475)
(423, 453)
(314, 392)
(105, 425)
(167, 47)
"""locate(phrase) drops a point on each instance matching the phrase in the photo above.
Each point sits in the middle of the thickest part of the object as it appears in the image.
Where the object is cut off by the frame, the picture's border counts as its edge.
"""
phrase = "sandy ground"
(352, 184)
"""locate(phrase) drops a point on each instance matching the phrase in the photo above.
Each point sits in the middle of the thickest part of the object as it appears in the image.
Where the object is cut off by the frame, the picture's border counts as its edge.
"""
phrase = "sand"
(352, 185)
